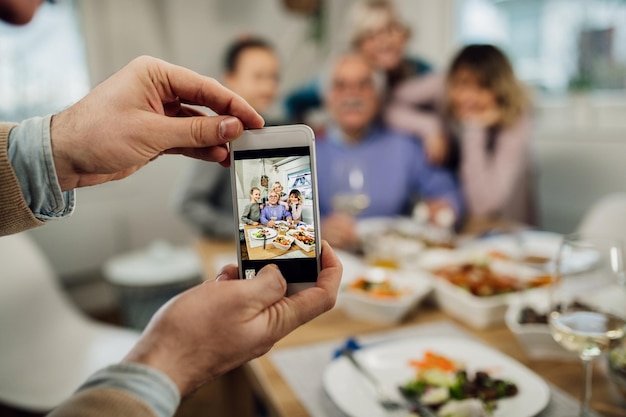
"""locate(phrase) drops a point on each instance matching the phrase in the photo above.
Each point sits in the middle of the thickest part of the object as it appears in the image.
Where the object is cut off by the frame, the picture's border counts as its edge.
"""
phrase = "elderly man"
(274, 211)
(366, 169)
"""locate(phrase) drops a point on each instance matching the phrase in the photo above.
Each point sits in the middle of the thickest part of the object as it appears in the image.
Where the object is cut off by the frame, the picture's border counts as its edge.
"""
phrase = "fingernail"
(220, 277)
(230, 128)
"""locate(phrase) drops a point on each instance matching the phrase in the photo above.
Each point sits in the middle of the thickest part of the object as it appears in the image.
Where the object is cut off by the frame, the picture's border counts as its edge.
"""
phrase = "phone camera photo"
(275, 202)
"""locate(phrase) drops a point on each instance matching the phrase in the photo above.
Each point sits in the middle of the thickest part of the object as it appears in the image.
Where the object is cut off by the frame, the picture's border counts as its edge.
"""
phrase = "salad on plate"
(445, 386)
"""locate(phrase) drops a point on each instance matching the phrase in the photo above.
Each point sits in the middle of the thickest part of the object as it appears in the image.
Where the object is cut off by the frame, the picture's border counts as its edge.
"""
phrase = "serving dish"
(535, 338)
(303, 239)
(278, 242)
(407, 290)
(355, 396)
(479, 311)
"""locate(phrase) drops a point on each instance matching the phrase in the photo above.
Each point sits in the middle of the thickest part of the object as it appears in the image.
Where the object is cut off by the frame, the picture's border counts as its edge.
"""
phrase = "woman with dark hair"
(484, 127)
(295, 202)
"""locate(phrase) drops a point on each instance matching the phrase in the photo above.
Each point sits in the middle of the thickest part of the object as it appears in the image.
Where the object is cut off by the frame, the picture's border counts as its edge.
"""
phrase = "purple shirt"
(279, 211)
(395, 172)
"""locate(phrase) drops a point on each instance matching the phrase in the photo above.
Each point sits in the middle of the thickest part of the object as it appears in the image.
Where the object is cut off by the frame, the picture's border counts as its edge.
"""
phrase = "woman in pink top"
(482, 130)
(296, 205)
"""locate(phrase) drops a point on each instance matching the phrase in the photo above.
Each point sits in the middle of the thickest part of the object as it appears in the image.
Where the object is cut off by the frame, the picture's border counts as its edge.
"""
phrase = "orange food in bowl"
(382, 289)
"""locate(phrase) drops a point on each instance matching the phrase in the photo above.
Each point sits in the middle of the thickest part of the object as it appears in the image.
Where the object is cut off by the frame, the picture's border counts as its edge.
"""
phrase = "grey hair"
(326, 78)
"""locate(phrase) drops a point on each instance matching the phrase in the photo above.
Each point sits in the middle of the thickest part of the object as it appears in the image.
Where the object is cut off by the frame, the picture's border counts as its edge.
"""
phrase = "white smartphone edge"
(267, 138)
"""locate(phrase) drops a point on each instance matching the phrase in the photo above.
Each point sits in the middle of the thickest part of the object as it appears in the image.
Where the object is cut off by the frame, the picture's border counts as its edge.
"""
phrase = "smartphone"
(274, 187)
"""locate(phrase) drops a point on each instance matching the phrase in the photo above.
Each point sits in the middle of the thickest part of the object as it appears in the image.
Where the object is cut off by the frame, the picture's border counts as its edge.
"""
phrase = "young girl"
(252, 212)
(295, 205)
(485, 123)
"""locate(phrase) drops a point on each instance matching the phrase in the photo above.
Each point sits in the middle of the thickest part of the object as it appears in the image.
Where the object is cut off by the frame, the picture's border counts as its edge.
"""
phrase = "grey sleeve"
(204, 199)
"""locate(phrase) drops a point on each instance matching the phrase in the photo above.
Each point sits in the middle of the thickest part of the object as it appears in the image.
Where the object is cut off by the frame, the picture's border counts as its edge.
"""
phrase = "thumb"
(267, 287)
(196, 131)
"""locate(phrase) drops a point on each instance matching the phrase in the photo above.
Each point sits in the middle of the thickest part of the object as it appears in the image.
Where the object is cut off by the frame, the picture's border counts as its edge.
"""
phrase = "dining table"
(283, 388)
(259, 248)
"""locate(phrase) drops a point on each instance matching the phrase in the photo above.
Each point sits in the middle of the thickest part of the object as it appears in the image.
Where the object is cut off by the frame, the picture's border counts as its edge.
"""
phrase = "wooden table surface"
(281, 401)
(270, 251)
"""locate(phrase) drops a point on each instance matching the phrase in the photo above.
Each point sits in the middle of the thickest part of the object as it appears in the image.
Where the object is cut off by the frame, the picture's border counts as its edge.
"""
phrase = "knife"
(264, 239)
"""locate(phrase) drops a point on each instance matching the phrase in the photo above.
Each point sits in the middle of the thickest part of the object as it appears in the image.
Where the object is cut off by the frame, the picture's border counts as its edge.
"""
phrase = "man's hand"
(140, 113)
(219, 325)
(340, 231)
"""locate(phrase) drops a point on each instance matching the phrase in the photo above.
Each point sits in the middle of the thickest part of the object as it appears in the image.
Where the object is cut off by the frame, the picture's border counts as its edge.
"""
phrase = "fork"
(394, 408)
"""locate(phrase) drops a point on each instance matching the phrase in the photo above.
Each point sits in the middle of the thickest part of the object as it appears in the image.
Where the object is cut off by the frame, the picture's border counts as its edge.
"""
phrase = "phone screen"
(275, 202)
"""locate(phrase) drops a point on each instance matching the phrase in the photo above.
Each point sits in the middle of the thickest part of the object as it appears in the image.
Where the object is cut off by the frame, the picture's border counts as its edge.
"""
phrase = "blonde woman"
(485, 124)
(277, 187)
(377, 32)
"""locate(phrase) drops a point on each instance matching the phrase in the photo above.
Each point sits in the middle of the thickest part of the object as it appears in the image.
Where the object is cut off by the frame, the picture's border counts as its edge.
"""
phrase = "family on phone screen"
(279, 207)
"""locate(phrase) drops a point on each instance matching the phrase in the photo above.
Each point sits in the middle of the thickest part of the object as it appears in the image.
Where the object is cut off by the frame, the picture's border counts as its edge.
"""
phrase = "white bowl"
(299, 243)
(283, 247)
(535, 338)
(478, 312)
(361, 306)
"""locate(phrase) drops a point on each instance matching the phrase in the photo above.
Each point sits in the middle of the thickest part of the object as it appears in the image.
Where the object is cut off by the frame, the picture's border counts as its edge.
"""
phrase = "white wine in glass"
(578, 322)
(349, 196)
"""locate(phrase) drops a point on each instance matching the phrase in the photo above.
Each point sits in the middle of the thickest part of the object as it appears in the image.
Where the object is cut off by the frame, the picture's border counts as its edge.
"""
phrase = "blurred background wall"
(580, 140)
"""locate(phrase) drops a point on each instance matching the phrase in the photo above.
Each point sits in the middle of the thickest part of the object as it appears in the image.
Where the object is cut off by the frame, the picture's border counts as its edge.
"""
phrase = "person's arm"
(435, 183)
(241, 320)
(403, 113)
(133, 117)
(15, 215)
(490, 180)
(29, 153)
(123, 390)
(204, 199)
(245, 216)
(296, 212)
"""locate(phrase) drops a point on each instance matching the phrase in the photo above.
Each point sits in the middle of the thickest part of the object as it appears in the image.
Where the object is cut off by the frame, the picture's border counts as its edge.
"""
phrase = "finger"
(266, 288)
(228, 273)
(193, 88)
(314, 301)
(194, 132)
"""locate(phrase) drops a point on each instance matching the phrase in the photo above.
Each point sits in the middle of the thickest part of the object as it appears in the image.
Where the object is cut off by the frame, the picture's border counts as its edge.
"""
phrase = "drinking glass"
(348, 188)
(579, 321)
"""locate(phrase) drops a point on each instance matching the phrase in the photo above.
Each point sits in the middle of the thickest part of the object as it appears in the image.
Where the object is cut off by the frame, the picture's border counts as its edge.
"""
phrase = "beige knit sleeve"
(15, 215)
(102, 402)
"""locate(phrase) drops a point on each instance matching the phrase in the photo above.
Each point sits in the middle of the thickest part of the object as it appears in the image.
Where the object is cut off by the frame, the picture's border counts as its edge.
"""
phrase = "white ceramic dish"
(271, 233)
(299, 243)
(283, 247)
(535, 338)
(361, 306)
(478, 312)
(356, 397)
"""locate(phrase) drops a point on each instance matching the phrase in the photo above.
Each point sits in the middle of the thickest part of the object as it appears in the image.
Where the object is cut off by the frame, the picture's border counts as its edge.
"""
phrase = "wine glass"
(578, 322)
(348, 188)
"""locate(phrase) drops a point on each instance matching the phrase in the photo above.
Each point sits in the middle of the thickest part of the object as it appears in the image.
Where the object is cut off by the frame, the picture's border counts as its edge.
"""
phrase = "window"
(43, 67)
(301, 181)
(555, 45)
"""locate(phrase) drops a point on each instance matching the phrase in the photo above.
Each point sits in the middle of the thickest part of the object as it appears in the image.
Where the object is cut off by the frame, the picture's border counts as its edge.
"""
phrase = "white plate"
(270, 235)
(352, 393)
